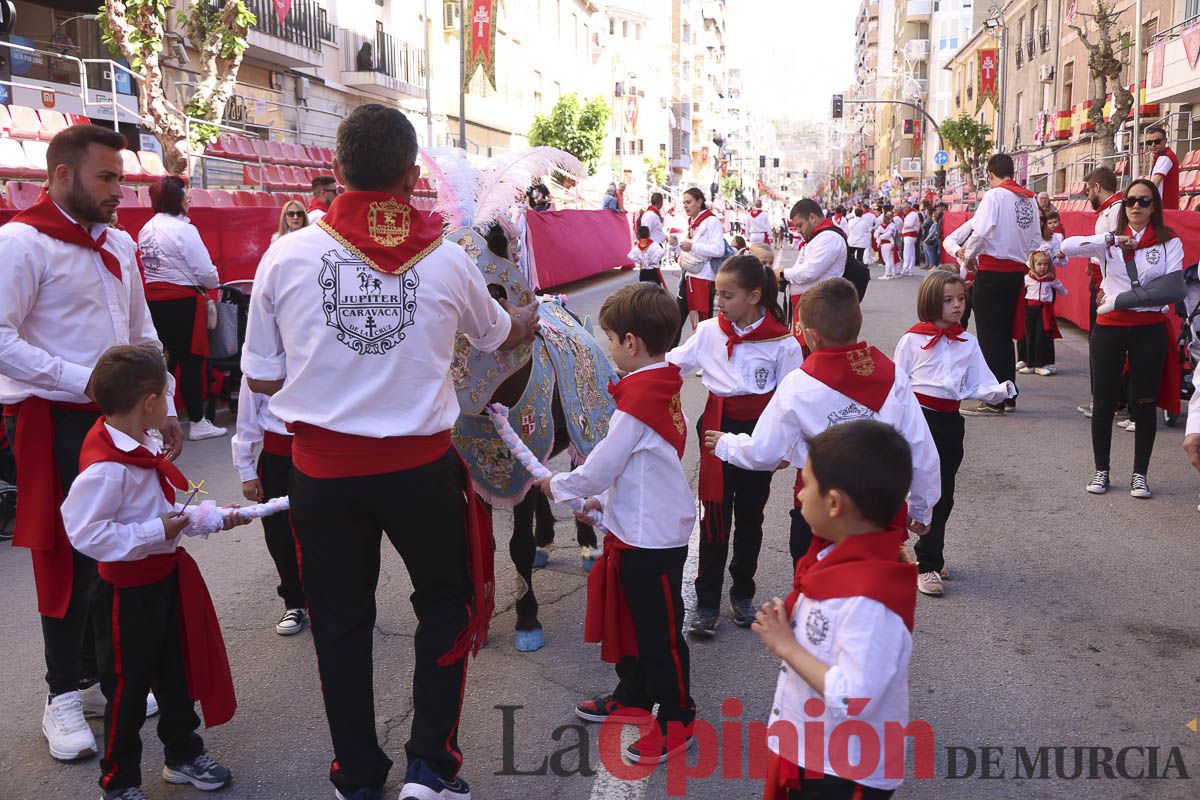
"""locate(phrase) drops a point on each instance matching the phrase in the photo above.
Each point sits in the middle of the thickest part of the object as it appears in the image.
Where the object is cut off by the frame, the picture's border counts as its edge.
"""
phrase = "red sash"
(909, 234)
(321, 453)
(652, 397)
(277, 444)
(172, 291)
(608, 620)
(937, 403)
(699, 296)
(859, 371)
(49, 220)
(382, 230)
(39, 520)
(989, 263)
(205, 659)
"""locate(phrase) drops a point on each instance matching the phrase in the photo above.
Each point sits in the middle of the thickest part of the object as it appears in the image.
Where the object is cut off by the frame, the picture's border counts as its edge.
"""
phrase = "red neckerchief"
(867, 565)
(695, 221)
(652, 398)
(98, 446)
(950, 334)
(382, 230)
(316, 204)
(51, 221)
(1015, 188)
(1110, 202)
(769, 330)
(837, 220)
(754, 212)
(825, 225)
(653, 210)
(644, 244)
(859, 371)
(1149, 239)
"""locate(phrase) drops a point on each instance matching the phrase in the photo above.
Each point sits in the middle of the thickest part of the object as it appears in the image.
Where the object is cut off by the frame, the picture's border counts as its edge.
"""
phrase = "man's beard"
(1094, 201)
(83, 207)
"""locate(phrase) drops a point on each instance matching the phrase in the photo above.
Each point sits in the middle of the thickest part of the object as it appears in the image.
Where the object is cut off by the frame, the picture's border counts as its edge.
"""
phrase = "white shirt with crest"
(949, 370)
(1007, 226)
(755, 368)
(1151, 262)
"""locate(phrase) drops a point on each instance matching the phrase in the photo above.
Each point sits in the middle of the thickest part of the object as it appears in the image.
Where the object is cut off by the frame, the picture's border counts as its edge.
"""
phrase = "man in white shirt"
(758, 225)
(324, 190)
(652, 218)
(71, 291)
(352, 332)
(1165, 174)
(824, 253)
(858, 233)
(909, 232)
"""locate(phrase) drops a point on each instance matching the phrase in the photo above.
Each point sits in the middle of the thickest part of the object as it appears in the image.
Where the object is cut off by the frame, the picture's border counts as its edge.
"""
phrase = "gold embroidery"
(388, 223)
(361, 256)
(677, 414)
(861, 362)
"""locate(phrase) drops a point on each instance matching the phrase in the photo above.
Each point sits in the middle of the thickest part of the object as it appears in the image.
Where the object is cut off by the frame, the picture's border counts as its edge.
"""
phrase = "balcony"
(916, 49)
(381, 65)
(296, 41)
(1177, 82)
(918, 10)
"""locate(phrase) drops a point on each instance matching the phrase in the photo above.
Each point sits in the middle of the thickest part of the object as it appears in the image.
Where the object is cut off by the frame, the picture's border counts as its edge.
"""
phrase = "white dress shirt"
(1007, 225)
(822, 257)
(638, 479)
(1106, 220)
(61, 309)
(1043, 292)
(950, 370)
(804, 406)
(871, 218)
(654, 222)
(253, 418)
(172, 252)
(344, 371)
(756, 367)
(708, 242)
(1152, 262)
(912, 223)
(1162, 166)
(758, 228)
(649, 258)
(954, 243)
(858, 231)
(867, 649)
(114, 511)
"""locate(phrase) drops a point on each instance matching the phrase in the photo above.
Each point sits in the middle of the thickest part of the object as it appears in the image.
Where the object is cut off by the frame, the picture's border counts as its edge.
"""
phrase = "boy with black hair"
(845, 632)
(647, 254)
(150, 598)
(634, 479)
(843, 380)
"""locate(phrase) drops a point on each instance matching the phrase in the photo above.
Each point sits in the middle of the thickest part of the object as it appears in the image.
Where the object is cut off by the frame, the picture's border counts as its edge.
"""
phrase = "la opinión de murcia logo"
(741, 751)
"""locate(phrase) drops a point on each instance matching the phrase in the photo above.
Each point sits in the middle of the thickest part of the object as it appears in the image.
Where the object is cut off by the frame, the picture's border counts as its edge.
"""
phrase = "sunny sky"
(799, 50)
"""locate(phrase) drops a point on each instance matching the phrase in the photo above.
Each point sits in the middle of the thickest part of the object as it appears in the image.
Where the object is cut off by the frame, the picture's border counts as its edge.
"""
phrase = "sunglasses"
(1153, 142)
(1140, 202)
(295, 213)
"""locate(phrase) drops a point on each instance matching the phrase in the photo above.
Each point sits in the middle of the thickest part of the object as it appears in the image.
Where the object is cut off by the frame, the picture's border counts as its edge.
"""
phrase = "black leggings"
(173, 320)
(1145, 348)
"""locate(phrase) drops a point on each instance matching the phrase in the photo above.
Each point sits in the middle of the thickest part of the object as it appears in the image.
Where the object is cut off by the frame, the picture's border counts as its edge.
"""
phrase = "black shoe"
(984, 410)
(743, 611)
(705, 624)
(422, 783)
(599, 709)
(657, 747)
(202, 772)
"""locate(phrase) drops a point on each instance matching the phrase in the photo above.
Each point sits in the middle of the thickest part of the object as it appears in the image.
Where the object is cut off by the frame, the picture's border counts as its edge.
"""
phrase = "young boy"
(845, 631)
(634, 479)
(150, 598)
(647, 254)
(842, 381)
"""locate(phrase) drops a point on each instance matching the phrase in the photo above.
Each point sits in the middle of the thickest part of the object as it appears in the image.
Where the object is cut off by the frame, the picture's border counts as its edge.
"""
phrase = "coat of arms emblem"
(369, 309)
(761, 375)
(850, 413)
(389, 223)
(861, 362)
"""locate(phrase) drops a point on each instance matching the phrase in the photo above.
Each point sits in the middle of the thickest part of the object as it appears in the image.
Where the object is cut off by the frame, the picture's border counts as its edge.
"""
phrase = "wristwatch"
(1109, 238)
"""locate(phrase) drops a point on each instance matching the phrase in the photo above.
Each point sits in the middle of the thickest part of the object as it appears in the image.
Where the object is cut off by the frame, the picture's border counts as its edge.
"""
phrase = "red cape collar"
(382, 230)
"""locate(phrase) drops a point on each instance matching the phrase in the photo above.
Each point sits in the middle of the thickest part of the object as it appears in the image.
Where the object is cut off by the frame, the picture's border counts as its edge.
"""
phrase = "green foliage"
(199, 133)
(656, 170)
(142, 39)
(579, 130)
(729, 187)
(970, 140)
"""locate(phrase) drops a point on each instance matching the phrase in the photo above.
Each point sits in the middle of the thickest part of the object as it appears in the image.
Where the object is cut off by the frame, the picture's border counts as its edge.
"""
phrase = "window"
(640, 145)
(624, 29)
(1068, 84)
(612, 27)
(617, 145)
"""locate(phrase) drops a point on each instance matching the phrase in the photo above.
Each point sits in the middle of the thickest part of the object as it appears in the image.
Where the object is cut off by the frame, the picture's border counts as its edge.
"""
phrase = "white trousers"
(888, 251)
(910, 254)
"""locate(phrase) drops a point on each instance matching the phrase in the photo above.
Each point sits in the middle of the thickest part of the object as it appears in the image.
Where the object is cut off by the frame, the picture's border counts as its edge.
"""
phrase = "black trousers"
(1145, 347)
(745, 497)
(140, 648)
(995, 300)
(1039, 343)
(947, 429)
(70, 646)
(1093, 291)
(653, 584)
(650, 275)
(681, 300)
(831, 787)
(274, 472)
(857, 252)
(339, 524)
(173, 320)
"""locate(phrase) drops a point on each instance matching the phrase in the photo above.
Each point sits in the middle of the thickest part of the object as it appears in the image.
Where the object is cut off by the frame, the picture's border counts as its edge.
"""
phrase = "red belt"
(172, 291)
(39, 520)
(741, 407)
(937, 403)
(910, 235)
(205, 659)
(608, 619)
(993, 264)
(277, 444)
(1127, 318)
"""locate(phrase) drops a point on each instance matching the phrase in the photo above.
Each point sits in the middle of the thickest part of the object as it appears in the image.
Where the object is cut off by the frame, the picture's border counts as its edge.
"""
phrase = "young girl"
(885, 236)
(744, 352)
(946, 366)
(647, 255)
(1041, 326)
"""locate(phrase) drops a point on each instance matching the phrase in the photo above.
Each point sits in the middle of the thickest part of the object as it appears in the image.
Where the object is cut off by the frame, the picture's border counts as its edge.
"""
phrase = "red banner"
(862, 160)
(282, 8)
(480, 42)
(987, 75)
(916, 137)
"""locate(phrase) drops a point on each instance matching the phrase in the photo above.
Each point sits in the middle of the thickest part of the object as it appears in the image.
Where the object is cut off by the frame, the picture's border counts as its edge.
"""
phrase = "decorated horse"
(556, 387)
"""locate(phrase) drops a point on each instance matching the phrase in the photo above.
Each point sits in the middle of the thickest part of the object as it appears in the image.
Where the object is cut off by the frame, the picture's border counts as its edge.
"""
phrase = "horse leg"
(544, 523)
(521, 549)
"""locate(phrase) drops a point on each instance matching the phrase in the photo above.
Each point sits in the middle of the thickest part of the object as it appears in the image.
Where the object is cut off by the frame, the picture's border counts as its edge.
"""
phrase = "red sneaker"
(598, 709)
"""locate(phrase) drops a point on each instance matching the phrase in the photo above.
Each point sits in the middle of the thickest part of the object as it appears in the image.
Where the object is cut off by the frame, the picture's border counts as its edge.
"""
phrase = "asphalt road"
(1069, 622)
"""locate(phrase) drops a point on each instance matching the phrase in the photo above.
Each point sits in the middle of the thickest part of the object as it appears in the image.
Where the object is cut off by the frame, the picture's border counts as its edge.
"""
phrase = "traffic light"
(837, 106)
(762, 162)
(939, 178)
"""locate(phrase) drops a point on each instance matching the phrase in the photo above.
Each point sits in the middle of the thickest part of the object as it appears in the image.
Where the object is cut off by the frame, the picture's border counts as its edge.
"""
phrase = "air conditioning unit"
(1046, 73)
(452, 15)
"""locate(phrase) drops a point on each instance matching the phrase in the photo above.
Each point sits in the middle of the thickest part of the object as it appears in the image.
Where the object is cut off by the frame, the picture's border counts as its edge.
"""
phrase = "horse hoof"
(540, 557)
(528, 641)
(588, 556)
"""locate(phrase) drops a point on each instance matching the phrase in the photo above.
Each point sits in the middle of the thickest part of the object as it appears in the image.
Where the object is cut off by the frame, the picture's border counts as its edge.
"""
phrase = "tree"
(729, 187)
(656, 171)
(1105, 67)
(970, 140)
(135, 30)
(580, 130)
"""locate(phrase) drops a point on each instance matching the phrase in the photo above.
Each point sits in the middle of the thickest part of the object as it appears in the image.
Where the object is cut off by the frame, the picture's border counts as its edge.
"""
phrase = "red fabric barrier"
(569, 245)
(1074, 307)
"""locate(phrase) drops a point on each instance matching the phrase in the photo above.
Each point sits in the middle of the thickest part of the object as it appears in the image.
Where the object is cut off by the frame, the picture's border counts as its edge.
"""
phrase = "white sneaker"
(1042, 371)
(94, 702)
(204, 430)
(1026, 370)
(1051, 368)
(1085, 409)
(292, 622)
(1128, 425)
(1021, 365)
(65, 728)
(930, 583)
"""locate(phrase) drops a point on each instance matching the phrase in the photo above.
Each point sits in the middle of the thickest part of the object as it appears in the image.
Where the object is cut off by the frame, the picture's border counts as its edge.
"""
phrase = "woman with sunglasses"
(1165, 174)
(291, 219)
(1142, 250)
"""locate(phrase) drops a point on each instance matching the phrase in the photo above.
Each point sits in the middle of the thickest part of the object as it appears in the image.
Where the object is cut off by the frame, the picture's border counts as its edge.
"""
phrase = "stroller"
(225, 343)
